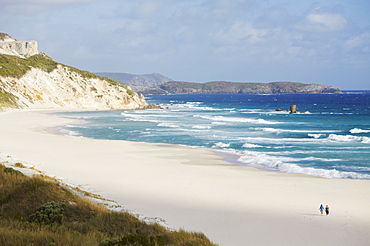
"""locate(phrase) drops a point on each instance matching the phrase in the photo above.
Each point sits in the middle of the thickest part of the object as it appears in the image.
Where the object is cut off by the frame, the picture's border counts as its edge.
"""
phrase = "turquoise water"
(329, 137)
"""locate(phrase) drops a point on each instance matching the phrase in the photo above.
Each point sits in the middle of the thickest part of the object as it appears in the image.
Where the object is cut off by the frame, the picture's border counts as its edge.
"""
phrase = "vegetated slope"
(223, 87)
(34, 211)
(29, 78)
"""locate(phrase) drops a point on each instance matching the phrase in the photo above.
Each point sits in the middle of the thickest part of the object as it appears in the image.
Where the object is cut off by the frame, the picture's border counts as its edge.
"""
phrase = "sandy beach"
(194, 189)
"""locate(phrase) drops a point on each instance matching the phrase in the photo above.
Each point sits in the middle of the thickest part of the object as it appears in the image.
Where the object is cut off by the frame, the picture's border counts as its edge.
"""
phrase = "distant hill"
(223, 87)
(134, 80)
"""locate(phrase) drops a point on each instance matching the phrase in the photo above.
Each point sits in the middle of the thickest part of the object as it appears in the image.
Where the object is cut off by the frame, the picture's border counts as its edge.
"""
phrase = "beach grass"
(7, 100)
(28, 204)
(16, 67)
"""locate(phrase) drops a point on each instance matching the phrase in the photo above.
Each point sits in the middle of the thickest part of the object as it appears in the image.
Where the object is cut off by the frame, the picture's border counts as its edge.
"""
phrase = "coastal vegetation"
(17, 67)
(224, 87)
(7, 100)
(35, 211)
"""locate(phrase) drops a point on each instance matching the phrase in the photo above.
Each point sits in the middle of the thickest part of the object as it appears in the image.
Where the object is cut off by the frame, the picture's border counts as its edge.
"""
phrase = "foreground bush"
(49, 213)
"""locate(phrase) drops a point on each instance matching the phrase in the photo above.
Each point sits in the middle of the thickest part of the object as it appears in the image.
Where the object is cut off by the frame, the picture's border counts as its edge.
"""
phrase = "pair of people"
(322, 209)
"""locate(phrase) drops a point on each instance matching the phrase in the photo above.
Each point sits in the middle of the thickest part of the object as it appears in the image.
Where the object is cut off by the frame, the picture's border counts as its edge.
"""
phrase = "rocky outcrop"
(223, 87)
(293, 109)
(23, 49)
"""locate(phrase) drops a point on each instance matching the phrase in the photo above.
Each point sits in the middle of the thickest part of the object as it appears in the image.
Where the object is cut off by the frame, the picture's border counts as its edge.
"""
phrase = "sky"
(325, 42)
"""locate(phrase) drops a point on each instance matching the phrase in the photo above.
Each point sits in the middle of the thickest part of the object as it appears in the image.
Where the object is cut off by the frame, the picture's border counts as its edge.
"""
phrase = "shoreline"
(194, 189)
(237, 156)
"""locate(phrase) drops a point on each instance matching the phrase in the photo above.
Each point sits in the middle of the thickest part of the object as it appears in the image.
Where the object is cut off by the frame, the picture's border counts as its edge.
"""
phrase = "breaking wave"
(263, 161)
(348, 138)
(238, 120)
(357, 130)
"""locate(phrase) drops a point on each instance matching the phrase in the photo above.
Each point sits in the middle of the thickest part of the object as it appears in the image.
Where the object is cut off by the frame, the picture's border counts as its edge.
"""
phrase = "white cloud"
(362, 39)
(323, 22)
(241, 32)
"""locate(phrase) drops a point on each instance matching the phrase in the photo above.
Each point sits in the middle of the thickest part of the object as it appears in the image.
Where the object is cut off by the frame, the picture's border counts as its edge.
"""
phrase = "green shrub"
(15, 66)
(130, 92)
(11, 170)
(49, 213)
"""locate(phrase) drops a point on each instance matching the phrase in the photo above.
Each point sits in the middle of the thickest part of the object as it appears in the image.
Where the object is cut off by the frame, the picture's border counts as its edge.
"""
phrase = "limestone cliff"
(30, 79)
(23, 49)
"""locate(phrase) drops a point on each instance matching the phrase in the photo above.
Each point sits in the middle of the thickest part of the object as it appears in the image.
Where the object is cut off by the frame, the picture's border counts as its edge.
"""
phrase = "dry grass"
(84, 223)
(20, 165)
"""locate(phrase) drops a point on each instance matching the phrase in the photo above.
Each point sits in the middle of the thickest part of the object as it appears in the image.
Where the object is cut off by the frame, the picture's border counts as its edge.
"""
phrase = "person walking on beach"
(327, 210)
(321, 209)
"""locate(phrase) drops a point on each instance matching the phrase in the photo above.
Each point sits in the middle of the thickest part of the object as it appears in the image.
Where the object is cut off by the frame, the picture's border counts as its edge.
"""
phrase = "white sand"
(194, 189)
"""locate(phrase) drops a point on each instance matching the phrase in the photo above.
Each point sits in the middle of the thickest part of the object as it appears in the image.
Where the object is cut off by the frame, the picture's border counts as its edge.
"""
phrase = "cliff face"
(222, 87)
(63, 88)
(30, 79)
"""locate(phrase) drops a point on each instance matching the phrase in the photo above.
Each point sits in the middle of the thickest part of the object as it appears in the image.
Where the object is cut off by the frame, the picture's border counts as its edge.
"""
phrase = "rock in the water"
(293, 109)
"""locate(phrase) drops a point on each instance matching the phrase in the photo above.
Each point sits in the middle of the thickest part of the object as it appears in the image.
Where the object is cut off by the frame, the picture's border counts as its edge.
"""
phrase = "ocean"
(328, 137)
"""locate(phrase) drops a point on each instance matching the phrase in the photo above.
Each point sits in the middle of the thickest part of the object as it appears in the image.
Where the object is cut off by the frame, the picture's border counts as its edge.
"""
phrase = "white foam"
(357, 130)
(267, 129)
(354, 168)
(348, 138)
(70, 133)
(248, 145)
(167, 124)
(234, 119)
(221, 145)
(365, 140)
(269, 112)
(201, 127)
(316, 135)
(277, 140)
(311, 158)
(197, 106)
(264, 161)
(331, 173)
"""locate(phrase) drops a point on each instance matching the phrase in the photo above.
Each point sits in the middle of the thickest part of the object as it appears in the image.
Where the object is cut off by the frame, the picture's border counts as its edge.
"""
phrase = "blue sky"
(305, 41)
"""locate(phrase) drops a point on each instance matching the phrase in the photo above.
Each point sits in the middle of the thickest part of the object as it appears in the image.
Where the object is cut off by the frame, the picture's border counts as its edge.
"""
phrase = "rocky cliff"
(222, 87)
(23, 49)
(30, 79)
